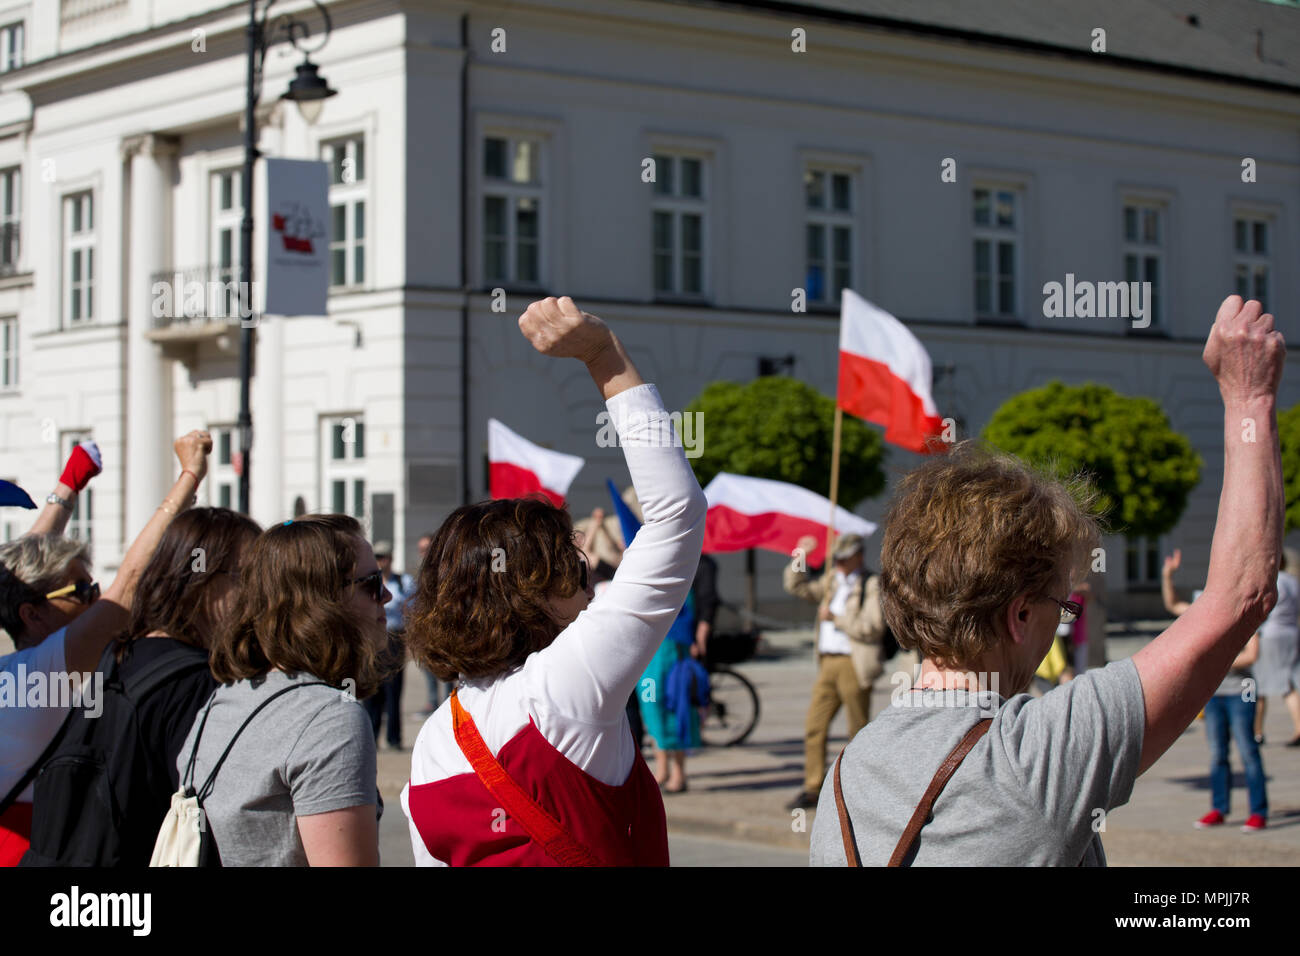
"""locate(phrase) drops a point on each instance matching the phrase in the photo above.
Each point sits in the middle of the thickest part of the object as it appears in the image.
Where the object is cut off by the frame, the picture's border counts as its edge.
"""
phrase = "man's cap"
(847, 546)
(383, 549)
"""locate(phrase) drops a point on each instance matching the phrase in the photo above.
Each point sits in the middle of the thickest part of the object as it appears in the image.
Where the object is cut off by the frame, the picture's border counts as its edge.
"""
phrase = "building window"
(9, 352)
(1142, 560)
(996, 219)
(81, 523)
(226, 213)
(348, 192)
(678, 225)
(512, 211)
(1252, 257)
(79, 257)
(828, 234)
(11, 47)
(11, 196)
(345, 466)
(8, 526)
(223, 483)
(1144, 236)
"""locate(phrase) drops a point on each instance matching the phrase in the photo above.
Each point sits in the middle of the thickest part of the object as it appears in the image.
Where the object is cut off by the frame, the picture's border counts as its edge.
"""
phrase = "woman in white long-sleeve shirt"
(531, 761)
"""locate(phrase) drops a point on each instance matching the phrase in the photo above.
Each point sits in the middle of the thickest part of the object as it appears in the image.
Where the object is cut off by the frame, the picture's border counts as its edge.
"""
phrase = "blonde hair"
(31, 567)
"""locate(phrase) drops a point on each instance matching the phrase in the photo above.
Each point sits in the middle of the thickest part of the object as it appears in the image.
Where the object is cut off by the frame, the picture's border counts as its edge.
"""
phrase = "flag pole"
(835, 489)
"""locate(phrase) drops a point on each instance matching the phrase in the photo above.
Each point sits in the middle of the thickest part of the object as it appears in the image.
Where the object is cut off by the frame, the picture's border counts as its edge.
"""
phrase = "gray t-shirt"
(311, 750)
(1032, 792)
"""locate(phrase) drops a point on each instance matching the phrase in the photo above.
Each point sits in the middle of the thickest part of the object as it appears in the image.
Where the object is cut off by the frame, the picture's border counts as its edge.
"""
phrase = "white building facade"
(945, 171)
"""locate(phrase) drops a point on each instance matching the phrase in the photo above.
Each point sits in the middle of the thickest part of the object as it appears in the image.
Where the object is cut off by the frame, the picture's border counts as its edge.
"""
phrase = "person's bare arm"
(1182, 667)
(1167, 592)
(54, 517)
(90, 632)
(348, 837)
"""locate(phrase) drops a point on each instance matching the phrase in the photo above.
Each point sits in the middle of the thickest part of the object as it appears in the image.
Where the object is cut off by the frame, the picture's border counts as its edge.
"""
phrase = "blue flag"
(13, 496)
(626, 519)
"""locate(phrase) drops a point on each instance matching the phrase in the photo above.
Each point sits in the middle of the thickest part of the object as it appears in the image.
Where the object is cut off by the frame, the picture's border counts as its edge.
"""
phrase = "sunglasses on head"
(372, 584)
(83, 592)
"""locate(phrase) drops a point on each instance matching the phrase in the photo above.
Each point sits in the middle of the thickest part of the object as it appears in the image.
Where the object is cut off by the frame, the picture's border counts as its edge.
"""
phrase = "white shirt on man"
(25, 730)
(830, 639)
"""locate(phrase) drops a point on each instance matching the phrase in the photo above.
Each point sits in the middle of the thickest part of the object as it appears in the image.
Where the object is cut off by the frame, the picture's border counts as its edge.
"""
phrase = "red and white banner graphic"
(772, 515)
(885, 374)
(517, 467)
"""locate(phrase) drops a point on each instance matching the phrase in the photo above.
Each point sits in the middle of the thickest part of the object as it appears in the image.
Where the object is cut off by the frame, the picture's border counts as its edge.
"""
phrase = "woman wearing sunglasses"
(297, 785)
(531, 761)
(50, 606)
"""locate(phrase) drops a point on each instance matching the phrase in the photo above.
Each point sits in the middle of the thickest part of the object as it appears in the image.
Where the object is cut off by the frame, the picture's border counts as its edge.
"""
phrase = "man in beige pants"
(850, 625)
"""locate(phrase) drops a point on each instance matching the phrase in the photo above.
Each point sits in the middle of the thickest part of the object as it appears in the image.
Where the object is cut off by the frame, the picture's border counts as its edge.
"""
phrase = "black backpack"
(86, 779)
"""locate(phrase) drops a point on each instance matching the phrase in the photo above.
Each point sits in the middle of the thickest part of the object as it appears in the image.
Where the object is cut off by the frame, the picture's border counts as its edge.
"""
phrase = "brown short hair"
(292, 611)
(175, 590)
(476, 618)
(966, 534)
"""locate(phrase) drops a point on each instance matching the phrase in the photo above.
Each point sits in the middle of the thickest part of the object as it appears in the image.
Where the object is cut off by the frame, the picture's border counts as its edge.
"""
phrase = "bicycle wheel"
(733, 709)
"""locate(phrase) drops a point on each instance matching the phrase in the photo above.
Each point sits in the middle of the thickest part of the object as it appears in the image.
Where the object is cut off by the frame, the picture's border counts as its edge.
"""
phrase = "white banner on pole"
(297, 237)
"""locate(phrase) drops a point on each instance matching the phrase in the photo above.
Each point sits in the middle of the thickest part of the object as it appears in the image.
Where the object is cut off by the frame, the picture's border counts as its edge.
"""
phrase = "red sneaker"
(1212, 819)
(1254, 823)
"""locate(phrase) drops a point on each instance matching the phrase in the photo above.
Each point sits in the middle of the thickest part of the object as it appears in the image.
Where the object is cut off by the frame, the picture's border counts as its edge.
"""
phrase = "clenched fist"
(1244, 351)
(559, 328)
(192, 449)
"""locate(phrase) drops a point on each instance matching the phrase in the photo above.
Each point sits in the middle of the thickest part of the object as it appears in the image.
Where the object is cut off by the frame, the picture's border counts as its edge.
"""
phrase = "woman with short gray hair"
(978, 558)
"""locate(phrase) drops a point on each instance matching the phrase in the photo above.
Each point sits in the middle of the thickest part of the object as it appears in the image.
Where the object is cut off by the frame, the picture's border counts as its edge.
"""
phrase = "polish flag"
(885, 374)
(772, 515)
(517, 467)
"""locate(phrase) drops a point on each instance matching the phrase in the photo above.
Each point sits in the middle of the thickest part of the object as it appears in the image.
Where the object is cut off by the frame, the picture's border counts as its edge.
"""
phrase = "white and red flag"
(517, 467)
(773, 515)
(885, 374)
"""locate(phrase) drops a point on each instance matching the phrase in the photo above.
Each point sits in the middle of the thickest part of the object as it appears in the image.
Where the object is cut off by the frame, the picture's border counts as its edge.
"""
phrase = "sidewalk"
(739, 793)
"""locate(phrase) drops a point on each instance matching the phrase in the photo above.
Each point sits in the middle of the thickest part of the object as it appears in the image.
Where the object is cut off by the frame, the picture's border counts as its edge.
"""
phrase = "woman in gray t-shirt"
(298, 786)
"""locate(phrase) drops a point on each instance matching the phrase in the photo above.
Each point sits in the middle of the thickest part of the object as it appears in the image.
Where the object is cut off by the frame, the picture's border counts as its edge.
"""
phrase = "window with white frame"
(996, 222)
(11, 197)
(225, 217)
(9, 352)
(223, 483)
(344, 471)
(81, 523)
(1142, 560)
(1252, 257)
(11, 47)
(828, 234)
(348, 194)
(79, 257)
(512, 210)
(1144, 237)
(678, 226)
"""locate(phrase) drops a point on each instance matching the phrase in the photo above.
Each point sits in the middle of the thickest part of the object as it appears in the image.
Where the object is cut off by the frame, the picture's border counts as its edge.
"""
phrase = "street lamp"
(309, 91)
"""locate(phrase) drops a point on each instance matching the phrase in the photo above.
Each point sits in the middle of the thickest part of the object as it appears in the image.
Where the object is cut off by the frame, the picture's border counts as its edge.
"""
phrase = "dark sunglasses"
(83, 592)
(372, 584)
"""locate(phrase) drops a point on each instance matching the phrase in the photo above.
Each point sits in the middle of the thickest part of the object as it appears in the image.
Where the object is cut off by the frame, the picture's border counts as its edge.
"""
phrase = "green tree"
(779, 428)
(1288, 433)
(1142, 468)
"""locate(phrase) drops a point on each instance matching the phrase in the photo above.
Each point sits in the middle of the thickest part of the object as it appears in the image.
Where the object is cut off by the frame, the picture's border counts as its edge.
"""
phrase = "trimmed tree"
(1143, 469)
(1288, 433)
(780, 428)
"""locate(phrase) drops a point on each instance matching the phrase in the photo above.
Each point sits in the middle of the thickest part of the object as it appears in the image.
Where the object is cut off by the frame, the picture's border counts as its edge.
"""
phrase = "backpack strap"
(846, 825)
(206, 790)
(946, 770)
(546, 831)
(159, 671)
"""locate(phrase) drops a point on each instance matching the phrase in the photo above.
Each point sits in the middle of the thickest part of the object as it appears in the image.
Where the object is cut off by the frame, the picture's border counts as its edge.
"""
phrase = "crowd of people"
(226, 661)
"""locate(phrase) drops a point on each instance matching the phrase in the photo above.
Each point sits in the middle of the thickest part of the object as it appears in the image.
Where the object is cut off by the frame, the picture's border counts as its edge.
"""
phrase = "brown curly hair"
(966, 534)
(292, 612)
(480, 606)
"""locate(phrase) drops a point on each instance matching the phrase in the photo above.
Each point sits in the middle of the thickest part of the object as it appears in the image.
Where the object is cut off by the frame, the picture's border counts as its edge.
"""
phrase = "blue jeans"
(1221, 713)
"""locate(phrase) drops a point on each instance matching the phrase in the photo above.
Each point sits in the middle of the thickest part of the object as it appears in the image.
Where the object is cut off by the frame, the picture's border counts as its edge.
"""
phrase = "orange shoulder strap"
(546, 831)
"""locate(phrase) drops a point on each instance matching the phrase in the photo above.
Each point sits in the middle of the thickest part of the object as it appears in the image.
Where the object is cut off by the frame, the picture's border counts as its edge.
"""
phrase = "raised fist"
(559, 328)
(806, 544)
(193, 449)
(1244, 352)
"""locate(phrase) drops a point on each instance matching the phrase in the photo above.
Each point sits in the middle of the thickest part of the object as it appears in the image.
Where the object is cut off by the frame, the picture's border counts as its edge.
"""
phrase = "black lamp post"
(308, 90)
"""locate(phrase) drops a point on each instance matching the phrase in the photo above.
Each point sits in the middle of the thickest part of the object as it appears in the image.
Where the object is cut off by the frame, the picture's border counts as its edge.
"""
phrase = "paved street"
(733, 813)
